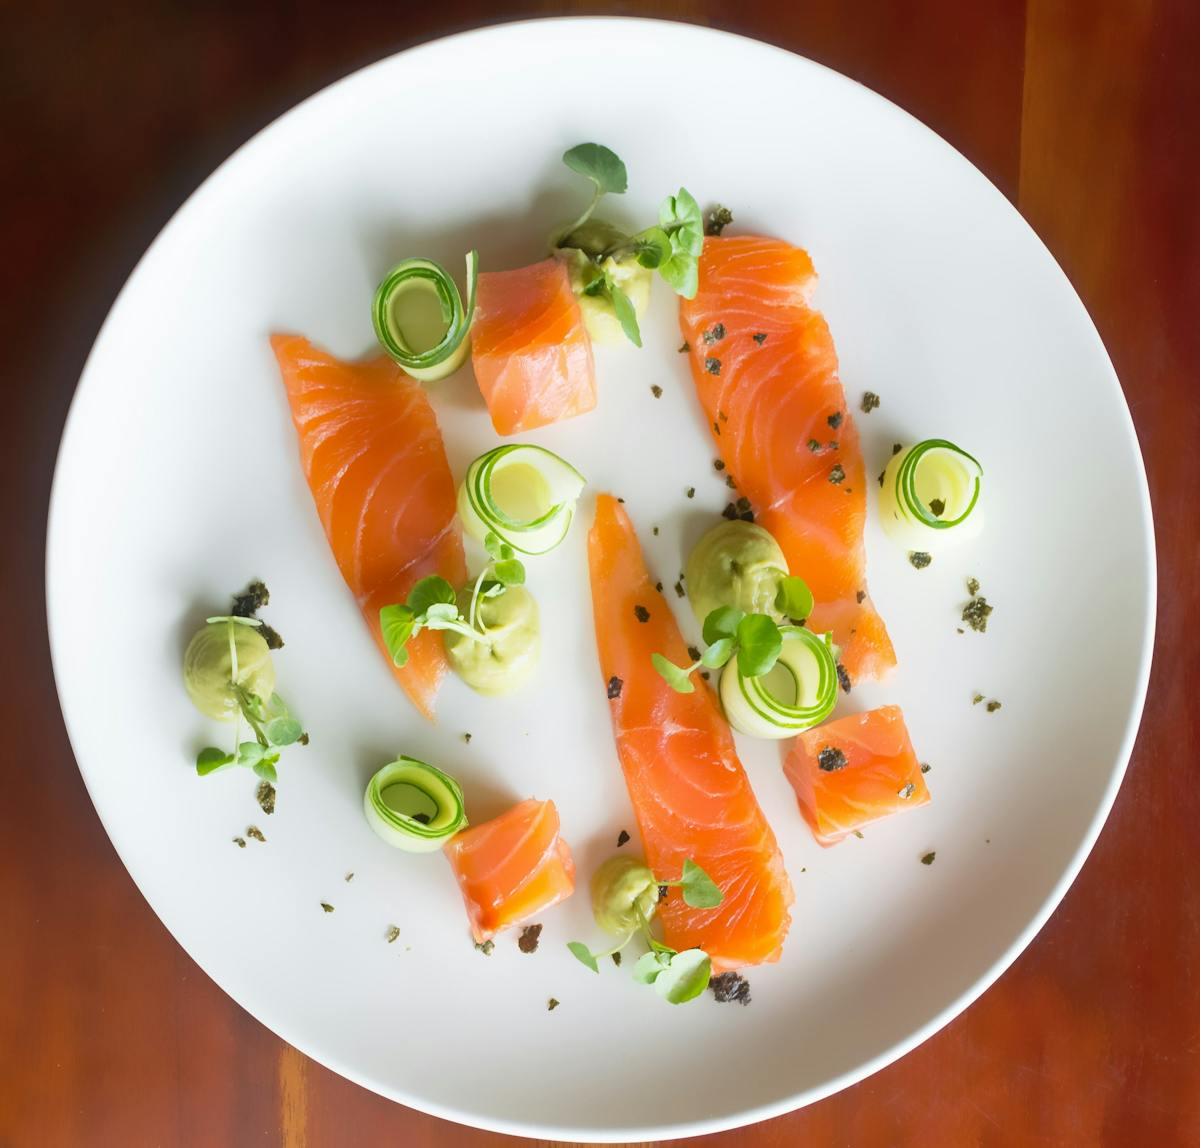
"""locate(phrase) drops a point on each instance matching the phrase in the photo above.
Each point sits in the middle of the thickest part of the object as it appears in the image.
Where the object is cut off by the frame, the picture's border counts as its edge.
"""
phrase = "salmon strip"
(853, 771)
(377, 469)
(511, 868)
(689, 791)
(530, 349)
(766, 373)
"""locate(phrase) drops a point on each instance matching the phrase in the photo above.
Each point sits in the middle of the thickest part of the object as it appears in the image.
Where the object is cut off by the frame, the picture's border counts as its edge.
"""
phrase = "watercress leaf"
(491, 588)
(599, 164)
(249, 752)
(626, 314)
(396, 625)
(723, 622)
(509, 572)
(681, 219)
(793, 599)
(598, 286)
(266, 768)
(652, 247)
(492, 544)
(646, 971)
(283, 730)
(445, 611)
(717, 654)
(759, 643)
(583, 955)
(678, 679)
(699, 889)
(428, 592)
(275, 707)
(685, 978)
(210, 759)
(507, 551)
(660, 950)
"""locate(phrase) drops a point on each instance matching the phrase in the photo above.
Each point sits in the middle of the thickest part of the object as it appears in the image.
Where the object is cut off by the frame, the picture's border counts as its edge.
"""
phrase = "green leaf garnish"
(430, 591)
(685, 978)
(793, 599)
(681, 219)
(210, 759)
(626, 315)
(265, 768)
(700, 891)
(759, 643)
(397, 623)
(723, 622)
(677, 677)
(283, 730)
(648, 966)
(583, 955)
(249, 752)
(599, 164)
(717, 654)
(509, 572)
(652, 247)
(492, 544)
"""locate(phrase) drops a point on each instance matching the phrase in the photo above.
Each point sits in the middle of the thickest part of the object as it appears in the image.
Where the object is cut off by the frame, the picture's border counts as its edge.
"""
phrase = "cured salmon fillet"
(512, 867)
(690, 793)
(853, 771)
(374, 460)
(530, 349)
(767, 375)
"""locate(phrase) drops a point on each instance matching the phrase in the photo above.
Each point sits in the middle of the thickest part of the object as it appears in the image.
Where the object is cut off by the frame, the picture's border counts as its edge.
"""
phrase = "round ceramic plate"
(179, 480)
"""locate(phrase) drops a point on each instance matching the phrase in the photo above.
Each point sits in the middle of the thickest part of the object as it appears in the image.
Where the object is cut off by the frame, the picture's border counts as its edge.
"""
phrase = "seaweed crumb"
(264, 794)
(255, 597)
(973, 587)
(722, 416)
(843, 677)
(760, 338)
(860, 597)
(658, 587)
(712, 365)
(831, 759)
(976, 613)
(690, 492)
(837, 474)
(662, 892)
(421, 818)
(466, 738)
(718, 464)
(349, 877)
(551, 1005)
(870, 401)
(928, 858)
(717, 429)
(326, 906)
(302, 739)
(641, 613)
(683, 350)
(742, 504)
(925, 767)
(959, 630)
(705, 674)
(694, 653)
(937, 507)
(730, 988)
(714, 334)
(813, 445)
(882, 476)
(240, 842)
(730, 483)
(835, 419)
(679, 589)
(719, 218)
(729, 512)
(622, 838)
(392, 933)
(527, 942)
(906, 791)
(860, 835)
(992, 706)
(487, 948)
(256, 833)
(897, 448)
(655, 529)
(832, 444)
(656, 390)
(919, 559)
(976, 699)
(616, 958)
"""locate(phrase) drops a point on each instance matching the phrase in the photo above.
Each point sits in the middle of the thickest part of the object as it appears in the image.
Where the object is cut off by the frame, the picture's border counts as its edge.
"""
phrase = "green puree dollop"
(735, 564)
(208, 668)
(503, 661)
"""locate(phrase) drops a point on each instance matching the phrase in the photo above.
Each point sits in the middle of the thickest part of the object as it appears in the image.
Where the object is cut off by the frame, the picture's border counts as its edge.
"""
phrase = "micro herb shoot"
(432, 604)
(677, 977)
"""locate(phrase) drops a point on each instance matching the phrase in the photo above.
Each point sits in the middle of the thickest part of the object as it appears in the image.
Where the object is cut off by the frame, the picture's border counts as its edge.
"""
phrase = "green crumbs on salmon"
(714, 334)
(837, 474)
(831, 759)
(712, 365)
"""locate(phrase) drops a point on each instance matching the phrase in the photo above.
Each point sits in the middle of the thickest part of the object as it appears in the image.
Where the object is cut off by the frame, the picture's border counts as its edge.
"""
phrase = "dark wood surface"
(1086, 113)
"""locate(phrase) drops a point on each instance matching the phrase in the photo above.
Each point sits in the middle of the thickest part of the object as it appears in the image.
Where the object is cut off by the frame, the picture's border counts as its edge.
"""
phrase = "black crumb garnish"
(760, 338)
(882, 475)
(466, 739)
(831, 759)
(256, 833)
(928, 858)
(897, 448)
(616, 958)
(705, 674)
(718, 464)
(937, 507)
(690, 492)
(813, 445)
(837, 474)
(658, 587)
(712, 365)
(717, 429)
(326, 906)
(271, 636)
(743, 504)
(622, 838)
(527, 942)
(551, 1005)
(729, 512)
(265, 796)
(870, 401)
(832, 444)
(843, 678)
(683, 350)
(717, 220)
(662, 892)
(641, 613)
(976, 613)
(302, 739)
(255, 597)
(656, 390)
(730, 483)
(240, 842)
(693, 653)
(621, 501)
(730, 988)
(906, 791)
(421, 818)
(972, 586)
(679, 589)
(992, 706)
(487, 948)
(835, 419)
(919, 559)
(860, 597)
(714, 334)
(655, 529)
(747, 516)
(722, 416)
(925, 767)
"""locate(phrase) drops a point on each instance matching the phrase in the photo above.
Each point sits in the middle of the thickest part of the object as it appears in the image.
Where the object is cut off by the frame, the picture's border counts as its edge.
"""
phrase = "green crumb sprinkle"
(641, 613)
(760, 338)
(265, 796)
(690, 492)
(551, 1004)
(906, 791)
(976, 699)
(870, 401)
(831, 759)
(712, 365)
(992, 706)
(813, 445)
(719, 218)
(928, 858)
(656, 390)
(655, 529)
(466, 738)
(683, 350)
(256, 833)
(973, 586)
(937, 507)
(976, 613)
(240, 842)
(487, 948)
(718, 464)
(392, 934)
(925, 767)
(859, 834)
(327, 906)
(919, 559)
(835, 419)
(715, 334)
(837, 474)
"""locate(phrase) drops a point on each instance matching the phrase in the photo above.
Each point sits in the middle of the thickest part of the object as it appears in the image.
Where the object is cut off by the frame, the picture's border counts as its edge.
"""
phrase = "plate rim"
(900, 1048)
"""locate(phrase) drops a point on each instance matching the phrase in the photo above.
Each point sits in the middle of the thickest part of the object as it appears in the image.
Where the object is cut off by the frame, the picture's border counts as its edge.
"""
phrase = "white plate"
(178, 480)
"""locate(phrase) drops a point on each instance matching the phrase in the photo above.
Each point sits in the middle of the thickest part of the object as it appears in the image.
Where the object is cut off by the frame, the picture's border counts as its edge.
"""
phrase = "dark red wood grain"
(1087, 115)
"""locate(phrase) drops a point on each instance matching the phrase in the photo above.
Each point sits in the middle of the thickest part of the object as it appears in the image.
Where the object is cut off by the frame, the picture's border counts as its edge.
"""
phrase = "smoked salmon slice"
(530, 349)
(689, 791)
(853, 771)
(377, 469)
(511, 868)
(767, 375)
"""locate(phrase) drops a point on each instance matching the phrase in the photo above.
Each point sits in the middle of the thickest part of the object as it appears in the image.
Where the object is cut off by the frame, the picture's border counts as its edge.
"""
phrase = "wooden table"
(1086, 113)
